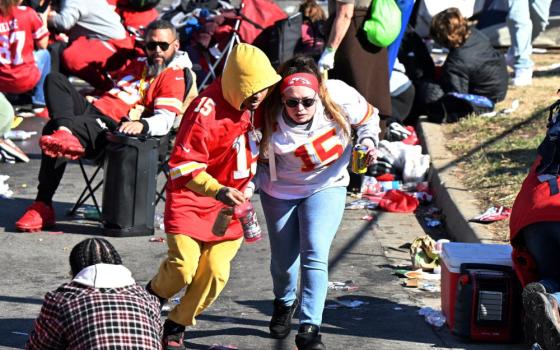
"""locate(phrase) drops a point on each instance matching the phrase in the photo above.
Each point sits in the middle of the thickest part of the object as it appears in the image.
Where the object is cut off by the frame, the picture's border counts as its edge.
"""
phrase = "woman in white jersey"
(307, 142)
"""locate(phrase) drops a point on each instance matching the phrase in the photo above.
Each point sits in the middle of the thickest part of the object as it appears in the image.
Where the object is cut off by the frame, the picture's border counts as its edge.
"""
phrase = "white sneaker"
(522, 77)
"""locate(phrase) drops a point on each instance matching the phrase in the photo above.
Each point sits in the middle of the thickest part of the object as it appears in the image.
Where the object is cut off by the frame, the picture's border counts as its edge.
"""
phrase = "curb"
(455, 200)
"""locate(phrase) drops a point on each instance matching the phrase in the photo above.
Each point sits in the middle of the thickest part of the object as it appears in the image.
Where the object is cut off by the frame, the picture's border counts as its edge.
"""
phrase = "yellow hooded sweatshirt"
(247, 71)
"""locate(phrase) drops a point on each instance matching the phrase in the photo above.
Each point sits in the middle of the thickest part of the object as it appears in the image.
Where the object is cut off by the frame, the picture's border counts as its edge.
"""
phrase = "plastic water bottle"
(19, 135)
(248, 219)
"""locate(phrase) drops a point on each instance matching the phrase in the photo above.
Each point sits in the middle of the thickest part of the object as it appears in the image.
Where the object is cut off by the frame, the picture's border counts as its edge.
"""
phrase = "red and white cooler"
(481, 275)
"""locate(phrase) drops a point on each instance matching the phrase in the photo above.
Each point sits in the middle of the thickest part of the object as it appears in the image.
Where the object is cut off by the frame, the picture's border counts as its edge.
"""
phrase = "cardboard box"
(453, 255)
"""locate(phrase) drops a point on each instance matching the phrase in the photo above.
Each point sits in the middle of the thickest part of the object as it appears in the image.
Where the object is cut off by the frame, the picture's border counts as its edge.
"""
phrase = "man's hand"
(230, 196)
(131, 128)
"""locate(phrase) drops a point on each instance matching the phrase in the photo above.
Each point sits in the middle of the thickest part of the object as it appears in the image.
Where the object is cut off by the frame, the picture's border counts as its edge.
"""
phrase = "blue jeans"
(526, 20)
(43, 62)
(301, 232)
(543, 242)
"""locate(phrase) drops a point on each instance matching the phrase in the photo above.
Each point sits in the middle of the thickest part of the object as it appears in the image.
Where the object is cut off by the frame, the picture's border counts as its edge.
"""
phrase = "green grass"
(495, 153)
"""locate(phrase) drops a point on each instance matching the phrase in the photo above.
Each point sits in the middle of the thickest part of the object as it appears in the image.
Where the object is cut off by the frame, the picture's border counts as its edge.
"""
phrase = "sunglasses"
(152, 45)
(294, 102)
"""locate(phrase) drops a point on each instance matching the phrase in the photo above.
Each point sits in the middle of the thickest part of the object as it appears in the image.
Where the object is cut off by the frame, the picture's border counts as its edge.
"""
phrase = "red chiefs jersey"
(18, 33)
(216, 138)
(133, 87)
(533, 203)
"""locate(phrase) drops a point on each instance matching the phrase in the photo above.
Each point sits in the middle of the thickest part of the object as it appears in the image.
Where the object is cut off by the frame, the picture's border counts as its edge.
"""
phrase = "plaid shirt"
(76, 316)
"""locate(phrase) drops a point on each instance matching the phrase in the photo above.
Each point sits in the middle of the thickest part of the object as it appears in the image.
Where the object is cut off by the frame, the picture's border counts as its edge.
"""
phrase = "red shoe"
(41, 112)
(62, 144)
(37, 217)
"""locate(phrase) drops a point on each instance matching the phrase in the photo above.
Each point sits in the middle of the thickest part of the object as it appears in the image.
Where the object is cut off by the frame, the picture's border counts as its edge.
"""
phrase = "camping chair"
(89, 189)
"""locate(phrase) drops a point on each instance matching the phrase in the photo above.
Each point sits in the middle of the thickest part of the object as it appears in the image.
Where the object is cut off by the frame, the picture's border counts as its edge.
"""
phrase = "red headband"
(300, 79)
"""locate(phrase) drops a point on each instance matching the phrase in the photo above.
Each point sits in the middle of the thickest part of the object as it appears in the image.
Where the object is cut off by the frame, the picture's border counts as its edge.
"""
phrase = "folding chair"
(89, 189)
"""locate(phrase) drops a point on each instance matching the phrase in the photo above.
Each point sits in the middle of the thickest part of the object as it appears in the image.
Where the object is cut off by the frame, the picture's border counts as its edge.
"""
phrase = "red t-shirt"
(18, 33)
(216, 138)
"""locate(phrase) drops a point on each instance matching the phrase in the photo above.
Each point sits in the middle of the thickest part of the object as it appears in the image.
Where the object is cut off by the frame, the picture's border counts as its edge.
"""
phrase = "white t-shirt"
(315, 157)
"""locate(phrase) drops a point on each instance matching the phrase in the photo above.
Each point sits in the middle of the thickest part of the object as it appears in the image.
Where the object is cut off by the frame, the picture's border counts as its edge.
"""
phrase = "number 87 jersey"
(18, 33)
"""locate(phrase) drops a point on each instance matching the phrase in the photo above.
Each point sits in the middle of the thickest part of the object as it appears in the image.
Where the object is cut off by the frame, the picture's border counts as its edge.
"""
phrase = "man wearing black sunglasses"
(146, 98)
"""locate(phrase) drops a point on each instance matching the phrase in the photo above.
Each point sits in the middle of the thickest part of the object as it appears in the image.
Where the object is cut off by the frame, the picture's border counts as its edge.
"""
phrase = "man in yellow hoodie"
(211, 166)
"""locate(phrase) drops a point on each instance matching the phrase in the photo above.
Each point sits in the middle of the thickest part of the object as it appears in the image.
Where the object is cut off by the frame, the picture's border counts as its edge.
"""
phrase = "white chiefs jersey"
(313, 157)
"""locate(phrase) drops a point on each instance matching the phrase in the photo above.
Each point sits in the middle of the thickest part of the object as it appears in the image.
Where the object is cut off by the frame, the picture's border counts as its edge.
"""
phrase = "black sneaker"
(281, 321)
(149, 289)
(173, 336)
(308, 338)
(548, 320)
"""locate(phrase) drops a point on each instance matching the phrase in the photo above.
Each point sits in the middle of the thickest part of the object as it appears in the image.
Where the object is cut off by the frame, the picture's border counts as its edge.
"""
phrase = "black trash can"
(129, 188)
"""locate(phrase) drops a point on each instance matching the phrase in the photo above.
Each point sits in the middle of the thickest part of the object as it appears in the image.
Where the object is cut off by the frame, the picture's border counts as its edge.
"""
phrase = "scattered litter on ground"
(346, 303)
(5, 191)
(432, 222)
(347, 286)
(397, 308)
(158, 222)
(536, 346)
(429, 287)
(19, 135)
(423, 253)
(514, 106)
(91, 213)
(361, 204)
(492, 214)
(368, 217)
(157, 239)
(433, 317)
(23, 185)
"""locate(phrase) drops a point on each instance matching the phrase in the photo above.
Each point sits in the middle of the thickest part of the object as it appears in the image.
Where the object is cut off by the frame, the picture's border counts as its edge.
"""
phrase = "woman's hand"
(371, 153)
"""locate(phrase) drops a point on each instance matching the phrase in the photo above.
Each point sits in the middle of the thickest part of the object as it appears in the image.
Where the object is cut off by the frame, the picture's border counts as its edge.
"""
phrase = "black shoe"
(281, 321)
(308, 338)
(173, 336)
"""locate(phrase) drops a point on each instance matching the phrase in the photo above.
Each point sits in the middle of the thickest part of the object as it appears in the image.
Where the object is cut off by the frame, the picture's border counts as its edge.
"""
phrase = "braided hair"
(93, 251)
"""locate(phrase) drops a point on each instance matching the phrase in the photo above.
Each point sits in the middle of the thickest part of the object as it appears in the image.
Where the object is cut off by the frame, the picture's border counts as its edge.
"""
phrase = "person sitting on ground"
(535, 238)
(149, 93)
(98, 42)
(24, 60)
(101, 308)
(472, 67)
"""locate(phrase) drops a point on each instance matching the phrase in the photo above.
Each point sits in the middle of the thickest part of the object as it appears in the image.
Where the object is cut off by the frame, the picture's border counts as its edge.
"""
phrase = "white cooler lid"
(454, 254)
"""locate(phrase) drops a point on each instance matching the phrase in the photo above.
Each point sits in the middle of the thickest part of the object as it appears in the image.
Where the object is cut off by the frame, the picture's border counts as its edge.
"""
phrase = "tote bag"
(384, 23)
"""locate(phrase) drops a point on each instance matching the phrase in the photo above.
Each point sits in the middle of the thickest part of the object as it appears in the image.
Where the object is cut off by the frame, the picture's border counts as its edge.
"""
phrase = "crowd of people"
(287, 133)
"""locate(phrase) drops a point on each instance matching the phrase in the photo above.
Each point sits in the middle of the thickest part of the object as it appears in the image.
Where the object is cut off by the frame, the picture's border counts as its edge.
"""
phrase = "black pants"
(69, 109)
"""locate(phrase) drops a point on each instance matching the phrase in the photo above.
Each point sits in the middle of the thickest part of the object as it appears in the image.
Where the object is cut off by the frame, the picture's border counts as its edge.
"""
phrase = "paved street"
(365, 252)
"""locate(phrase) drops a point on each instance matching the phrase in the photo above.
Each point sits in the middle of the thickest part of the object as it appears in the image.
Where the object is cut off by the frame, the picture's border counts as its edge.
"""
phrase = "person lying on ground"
(149, 94)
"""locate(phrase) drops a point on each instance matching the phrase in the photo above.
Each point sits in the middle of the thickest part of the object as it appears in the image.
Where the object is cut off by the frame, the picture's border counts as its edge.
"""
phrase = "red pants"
(91, 59)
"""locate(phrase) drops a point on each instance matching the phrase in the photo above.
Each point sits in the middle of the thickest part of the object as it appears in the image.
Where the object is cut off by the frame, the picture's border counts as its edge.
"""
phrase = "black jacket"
(476, 68)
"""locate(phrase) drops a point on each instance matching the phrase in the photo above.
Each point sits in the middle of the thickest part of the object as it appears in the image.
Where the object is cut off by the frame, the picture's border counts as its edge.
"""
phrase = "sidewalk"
(364, 251)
